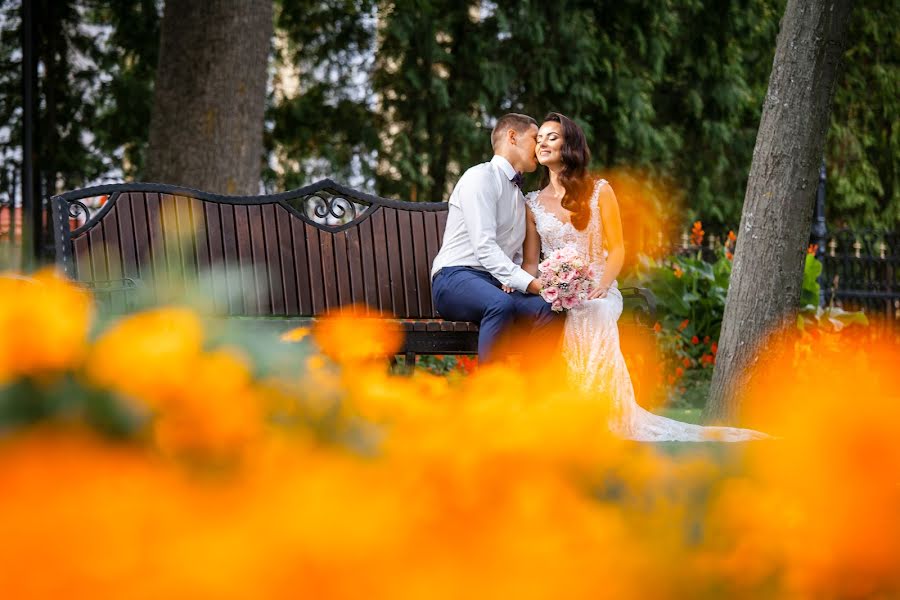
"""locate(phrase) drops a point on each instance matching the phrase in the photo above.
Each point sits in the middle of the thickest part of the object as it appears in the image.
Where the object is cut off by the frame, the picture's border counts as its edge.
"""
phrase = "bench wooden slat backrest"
(300, 253)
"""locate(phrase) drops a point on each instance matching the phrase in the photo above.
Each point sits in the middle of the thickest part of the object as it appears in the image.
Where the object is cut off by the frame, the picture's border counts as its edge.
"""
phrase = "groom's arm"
(478, 202)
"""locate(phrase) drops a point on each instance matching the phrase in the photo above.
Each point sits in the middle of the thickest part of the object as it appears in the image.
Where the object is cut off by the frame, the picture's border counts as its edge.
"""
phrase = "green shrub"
(690, 294)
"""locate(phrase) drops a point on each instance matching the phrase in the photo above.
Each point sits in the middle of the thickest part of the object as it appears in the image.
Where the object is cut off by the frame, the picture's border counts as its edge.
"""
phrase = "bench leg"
(410, 362)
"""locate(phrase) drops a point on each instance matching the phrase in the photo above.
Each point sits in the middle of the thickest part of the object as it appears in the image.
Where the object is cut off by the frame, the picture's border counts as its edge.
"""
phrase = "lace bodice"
(555, 234)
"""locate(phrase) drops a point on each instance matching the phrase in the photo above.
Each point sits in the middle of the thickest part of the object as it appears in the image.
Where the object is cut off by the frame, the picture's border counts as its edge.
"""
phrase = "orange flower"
(357, 334)
(657, 327)
(697, 233)
(678, 272)
(695, 340)
(679, 372)
(218, 413)
(683, 325)
(732, 237)
(706, 339)
(729, 255)
(714, 347)
(812, 249)
(295, 335)
(686, 362)
(44, 324)
(150, 356)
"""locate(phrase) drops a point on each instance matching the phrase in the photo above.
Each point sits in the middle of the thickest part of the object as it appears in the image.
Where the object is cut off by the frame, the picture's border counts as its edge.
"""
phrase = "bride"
(573, 209)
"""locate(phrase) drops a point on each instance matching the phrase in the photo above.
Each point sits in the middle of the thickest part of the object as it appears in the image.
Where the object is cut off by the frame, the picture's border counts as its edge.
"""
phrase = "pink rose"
(569, 302)
(567, 276)
(550, 294)
(556, 305)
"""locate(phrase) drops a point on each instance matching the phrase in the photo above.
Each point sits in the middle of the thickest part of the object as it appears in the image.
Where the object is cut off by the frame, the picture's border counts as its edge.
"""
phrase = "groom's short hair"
(520, 123)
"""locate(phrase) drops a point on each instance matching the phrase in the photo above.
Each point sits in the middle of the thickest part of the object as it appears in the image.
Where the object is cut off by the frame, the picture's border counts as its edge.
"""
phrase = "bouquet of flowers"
(567, 279)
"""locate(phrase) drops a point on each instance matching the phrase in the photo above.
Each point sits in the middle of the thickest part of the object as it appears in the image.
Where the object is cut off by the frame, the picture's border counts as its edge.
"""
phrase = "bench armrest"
(645, 309)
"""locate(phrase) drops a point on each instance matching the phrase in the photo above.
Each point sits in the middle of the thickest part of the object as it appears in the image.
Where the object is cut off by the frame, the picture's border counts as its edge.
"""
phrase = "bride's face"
(549, 144)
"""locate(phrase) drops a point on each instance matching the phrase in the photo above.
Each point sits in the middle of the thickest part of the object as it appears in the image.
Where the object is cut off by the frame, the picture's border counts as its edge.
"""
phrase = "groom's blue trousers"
(467, 294)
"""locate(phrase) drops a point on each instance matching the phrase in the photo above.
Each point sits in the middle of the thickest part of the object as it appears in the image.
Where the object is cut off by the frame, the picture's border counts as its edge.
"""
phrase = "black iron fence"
(862, 272)
(14, 220)
(861, 268)
(10, 218)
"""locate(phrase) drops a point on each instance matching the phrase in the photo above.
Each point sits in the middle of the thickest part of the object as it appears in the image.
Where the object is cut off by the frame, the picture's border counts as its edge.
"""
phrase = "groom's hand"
(534, 287)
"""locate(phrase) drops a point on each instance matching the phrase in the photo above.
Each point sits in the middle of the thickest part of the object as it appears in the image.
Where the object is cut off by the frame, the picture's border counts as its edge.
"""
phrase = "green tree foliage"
(398, 97)
(96, 62)
(129, 59)
(433, 77)
(711, 94)
(863, 148)
(64, 50)
(321, 119)
(671, 88)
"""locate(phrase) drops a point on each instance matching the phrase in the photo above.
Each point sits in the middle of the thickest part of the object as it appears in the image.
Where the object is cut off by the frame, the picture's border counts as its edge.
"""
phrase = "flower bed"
(158, 457)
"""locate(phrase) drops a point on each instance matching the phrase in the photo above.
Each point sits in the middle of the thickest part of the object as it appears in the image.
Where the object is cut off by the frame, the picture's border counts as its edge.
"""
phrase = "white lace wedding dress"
(591, 341)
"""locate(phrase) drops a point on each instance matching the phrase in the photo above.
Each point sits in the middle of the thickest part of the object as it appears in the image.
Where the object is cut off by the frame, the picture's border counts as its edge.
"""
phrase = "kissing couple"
(487, 268)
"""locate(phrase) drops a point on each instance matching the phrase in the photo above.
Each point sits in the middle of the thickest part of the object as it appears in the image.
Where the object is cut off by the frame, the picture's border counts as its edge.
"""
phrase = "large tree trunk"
(768, 262)
(206, 127)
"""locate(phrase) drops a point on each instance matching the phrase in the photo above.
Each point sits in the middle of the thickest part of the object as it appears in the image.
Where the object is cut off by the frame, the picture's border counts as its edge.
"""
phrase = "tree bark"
(766, 278)
(206, 126)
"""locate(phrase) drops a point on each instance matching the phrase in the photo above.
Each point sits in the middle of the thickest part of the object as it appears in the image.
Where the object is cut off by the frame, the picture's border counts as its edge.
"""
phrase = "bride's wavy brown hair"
(575, 179)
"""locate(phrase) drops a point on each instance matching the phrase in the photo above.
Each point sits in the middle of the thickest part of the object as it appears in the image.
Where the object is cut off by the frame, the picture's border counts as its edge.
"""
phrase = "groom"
(482, 247)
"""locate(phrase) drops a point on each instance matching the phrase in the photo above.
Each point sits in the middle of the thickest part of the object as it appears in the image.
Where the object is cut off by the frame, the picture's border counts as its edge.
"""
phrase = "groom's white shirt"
(486, 225)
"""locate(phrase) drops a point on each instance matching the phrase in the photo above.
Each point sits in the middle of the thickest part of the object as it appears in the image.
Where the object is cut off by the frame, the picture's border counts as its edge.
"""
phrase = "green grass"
(686, 415)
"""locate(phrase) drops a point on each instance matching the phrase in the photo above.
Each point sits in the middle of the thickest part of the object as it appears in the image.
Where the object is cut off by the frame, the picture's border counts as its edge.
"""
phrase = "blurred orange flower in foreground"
(204, 402)
(821, 507)
(356, 334)
(295, 335)
(44, 321)
(348, 481)
(150, 356)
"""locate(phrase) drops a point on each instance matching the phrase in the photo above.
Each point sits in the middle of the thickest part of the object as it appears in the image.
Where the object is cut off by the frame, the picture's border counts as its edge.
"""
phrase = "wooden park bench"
(288, 257)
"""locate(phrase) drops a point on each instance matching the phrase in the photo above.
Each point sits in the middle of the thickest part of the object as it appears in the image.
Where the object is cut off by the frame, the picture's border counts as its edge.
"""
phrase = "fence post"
(820, 230)
(31, 205)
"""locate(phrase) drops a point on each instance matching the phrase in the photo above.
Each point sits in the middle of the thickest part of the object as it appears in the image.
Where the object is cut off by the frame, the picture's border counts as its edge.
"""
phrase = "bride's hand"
(598, 292)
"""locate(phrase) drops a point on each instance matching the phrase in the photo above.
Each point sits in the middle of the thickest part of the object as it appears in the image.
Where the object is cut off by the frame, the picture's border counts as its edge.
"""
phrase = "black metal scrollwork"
(330, 207)
(77, 209)
(327, 208)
